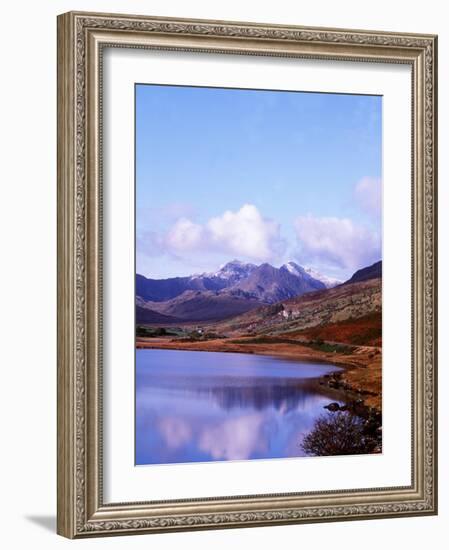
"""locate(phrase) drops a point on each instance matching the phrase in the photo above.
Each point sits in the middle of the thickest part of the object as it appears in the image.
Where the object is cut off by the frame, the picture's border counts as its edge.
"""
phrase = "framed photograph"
(246, 274)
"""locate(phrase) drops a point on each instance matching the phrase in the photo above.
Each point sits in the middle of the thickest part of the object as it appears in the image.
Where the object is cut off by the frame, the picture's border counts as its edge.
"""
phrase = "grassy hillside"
(348, 311)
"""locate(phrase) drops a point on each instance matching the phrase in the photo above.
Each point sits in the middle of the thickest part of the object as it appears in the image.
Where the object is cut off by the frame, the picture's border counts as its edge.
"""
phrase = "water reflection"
(284, 397)
(200, 406)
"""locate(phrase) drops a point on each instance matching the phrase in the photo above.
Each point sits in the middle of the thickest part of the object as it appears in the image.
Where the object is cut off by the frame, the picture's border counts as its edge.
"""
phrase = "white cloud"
(368, 195)
(243, 233)
(246, 233)
(337, 242)
(184, 235)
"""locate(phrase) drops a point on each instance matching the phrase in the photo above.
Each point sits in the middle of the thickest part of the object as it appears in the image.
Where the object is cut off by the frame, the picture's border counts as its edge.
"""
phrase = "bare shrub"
(338, 433)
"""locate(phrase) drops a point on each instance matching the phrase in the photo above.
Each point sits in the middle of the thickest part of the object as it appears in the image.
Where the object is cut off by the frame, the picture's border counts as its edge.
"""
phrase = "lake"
(196, 406)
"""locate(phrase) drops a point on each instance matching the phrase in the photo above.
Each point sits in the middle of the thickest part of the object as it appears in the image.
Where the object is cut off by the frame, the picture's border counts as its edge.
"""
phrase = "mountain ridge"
(373, 271)
(234, 289)
(229, 274)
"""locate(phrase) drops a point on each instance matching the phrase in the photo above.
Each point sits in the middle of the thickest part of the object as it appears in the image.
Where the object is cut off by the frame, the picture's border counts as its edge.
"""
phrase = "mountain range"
(236, 288)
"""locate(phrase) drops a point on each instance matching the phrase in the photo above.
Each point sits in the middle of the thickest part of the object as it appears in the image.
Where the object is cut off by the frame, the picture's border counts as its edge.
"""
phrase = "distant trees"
(339, 433)
(150, 332)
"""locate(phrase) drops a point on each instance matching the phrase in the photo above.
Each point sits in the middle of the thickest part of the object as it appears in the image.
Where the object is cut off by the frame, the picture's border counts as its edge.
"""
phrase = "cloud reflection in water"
(200, 406)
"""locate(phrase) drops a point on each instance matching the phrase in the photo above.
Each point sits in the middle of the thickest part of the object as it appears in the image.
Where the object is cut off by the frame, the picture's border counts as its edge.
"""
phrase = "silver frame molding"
(81, 39)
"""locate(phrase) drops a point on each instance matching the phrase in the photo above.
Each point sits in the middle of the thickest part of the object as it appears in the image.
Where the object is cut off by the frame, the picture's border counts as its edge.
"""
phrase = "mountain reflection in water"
(203, 406)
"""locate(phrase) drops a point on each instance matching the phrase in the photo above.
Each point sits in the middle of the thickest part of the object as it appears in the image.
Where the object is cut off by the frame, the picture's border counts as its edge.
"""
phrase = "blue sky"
(258, 176)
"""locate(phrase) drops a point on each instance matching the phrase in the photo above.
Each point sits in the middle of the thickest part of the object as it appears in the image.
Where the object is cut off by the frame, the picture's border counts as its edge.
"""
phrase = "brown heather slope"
(344, 302)
(364, 331)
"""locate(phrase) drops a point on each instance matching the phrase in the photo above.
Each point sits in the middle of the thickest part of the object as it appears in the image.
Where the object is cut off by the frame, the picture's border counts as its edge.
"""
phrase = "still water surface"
(196, 406)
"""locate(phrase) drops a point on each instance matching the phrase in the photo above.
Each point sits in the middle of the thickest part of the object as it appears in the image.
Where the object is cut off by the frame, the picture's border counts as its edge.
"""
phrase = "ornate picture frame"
(82, 39)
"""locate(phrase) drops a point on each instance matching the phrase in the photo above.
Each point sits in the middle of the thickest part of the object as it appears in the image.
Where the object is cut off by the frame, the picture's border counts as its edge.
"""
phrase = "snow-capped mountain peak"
(235, 270)
(294, 268)
(329, 282)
